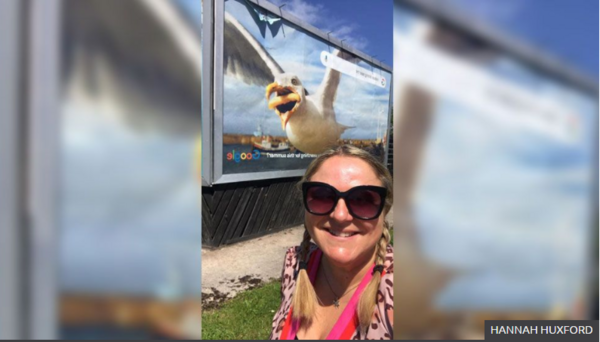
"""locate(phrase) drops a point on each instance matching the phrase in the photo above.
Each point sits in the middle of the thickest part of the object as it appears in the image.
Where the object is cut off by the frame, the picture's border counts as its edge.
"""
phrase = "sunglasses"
(364, 202)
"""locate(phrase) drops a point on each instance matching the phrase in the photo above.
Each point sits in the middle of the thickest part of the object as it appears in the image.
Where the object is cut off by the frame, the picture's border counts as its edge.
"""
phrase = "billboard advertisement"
(497, 187)
(129, 200)
(288, 95)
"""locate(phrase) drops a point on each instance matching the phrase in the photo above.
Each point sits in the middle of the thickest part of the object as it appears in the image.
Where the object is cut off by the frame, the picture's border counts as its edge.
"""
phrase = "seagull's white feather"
(328, 89)
(245, 58)
(311, 131)
(109, 63)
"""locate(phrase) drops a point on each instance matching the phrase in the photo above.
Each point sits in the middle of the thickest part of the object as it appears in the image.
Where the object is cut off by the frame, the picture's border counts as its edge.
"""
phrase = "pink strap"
(294, 329)
(350, 310)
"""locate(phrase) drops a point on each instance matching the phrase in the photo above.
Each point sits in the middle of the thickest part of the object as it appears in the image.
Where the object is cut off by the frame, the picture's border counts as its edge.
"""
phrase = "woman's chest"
(324, 322)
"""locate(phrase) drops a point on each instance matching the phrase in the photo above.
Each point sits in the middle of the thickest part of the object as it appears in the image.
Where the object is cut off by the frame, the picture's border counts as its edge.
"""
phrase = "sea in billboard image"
(289, 96)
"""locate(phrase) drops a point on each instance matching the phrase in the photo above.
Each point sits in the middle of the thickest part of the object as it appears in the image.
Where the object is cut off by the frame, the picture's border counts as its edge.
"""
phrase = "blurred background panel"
(496, 176)
(129, 232)
(11, 14)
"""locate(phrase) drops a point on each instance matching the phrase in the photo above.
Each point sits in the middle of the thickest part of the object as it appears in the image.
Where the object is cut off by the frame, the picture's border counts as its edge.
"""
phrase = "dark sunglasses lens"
(365, 203)
(320, 199)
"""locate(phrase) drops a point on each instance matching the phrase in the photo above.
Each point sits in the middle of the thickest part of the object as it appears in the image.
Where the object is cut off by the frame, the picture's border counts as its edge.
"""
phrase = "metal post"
(207, 93)
(44, 121)
(12, 290)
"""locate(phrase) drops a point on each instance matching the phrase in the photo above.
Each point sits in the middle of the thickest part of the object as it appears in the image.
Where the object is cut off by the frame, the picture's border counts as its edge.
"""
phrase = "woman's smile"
(343, 235)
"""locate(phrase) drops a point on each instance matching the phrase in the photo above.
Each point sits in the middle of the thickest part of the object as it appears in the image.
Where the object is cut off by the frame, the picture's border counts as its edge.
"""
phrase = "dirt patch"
(215, 297)
(211, 299)
(250, 281)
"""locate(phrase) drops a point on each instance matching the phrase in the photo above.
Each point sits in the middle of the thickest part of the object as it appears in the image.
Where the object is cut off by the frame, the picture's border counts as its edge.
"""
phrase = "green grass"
(248, 316)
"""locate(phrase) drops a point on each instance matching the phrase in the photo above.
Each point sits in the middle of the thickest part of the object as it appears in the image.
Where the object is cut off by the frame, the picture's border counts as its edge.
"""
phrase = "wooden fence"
(240, 211)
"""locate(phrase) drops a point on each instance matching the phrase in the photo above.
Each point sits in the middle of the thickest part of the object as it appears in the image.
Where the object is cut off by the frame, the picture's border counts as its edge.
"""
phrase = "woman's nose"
(341, 212)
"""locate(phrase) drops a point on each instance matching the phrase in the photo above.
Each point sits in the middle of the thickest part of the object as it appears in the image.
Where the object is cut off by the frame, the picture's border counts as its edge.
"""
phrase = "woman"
(340, 287)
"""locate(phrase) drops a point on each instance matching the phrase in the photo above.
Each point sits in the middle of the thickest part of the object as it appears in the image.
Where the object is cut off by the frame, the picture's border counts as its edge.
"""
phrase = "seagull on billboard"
(111, 66)
(308, 119)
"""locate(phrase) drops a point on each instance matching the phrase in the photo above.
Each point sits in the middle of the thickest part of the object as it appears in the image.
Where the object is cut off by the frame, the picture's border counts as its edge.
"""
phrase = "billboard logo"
(238, 157)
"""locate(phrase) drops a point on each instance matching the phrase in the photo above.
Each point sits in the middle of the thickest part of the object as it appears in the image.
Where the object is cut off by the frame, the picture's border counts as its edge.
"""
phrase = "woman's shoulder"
(290, 263)
(388, 263)
(293, 253)
(387, 279)
(382, 324)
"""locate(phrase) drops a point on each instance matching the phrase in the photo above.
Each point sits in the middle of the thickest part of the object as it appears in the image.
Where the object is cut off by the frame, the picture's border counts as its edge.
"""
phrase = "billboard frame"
(215, 174)
(206, 96)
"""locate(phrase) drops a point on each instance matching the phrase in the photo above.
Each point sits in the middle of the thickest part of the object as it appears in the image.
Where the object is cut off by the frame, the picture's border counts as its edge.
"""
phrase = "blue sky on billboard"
(565, 29)
(559, 27)
(364, 25)
(142, 194)
(193, 7)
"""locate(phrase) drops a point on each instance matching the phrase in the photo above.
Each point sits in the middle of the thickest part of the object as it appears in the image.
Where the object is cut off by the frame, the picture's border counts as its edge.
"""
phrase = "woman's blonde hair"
(305, 299)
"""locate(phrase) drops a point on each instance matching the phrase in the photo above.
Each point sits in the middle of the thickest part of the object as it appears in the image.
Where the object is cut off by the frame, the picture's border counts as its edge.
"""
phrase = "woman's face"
(346, 241)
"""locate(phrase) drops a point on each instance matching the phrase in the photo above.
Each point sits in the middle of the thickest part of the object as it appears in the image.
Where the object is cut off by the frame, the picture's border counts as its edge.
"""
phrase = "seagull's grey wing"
(142, 56)
(244, 57)
(328, 88)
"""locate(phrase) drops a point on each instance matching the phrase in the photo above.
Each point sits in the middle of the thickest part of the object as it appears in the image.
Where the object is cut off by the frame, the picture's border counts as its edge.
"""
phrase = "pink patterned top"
(381, 325)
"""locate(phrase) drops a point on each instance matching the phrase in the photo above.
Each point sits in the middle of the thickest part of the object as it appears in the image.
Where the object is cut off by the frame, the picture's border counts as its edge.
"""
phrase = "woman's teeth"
(341, 234)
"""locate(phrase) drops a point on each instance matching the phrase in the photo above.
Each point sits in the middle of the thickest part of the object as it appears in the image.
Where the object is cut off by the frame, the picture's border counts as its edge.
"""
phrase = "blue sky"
(565, 29)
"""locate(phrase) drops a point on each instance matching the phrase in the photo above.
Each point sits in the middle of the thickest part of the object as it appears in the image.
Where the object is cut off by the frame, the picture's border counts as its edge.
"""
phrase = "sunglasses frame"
(339, 194)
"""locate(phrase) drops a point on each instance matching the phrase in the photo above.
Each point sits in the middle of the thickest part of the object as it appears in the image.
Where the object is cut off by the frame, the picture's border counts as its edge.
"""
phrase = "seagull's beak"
(285, 103)
(270, 89)
(285, 117)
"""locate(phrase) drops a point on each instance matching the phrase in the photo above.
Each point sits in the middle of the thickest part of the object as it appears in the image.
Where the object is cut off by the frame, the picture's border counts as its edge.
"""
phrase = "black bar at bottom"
(572, 331)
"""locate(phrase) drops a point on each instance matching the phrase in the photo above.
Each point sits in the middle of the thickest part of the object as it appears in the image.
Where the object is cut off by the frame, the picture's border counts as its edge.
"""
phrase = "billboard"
(497, 187)
(129, 194)
(288, 95)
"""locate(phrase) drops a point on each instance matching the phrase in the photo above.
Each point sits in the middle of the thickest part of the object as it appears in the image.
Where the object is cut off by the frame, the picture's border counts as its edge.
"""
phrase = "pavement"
(232, 269)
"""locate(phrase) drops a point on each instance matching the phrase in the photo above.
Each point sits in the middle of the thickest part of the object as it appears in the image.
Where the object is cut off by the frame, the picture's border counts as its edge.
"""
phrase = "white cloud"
(318, 16)
(312, 14)
(350, 37)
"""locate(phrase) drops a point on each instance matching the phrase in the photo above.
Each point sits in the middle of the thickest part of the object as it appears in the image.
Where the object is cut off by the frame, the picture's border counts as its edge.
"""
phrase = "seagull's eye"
(294, 81)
